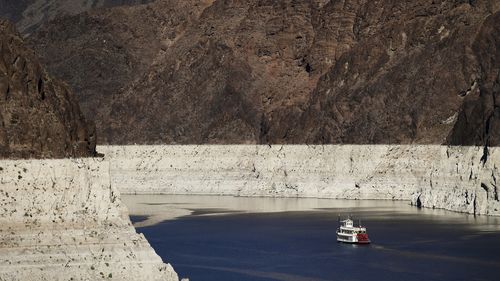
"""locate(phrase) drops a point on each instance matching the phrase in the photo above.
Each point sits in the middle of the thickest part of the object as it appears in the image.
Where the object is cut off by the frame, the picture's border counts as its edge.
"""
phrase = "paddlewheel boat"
(348, 233)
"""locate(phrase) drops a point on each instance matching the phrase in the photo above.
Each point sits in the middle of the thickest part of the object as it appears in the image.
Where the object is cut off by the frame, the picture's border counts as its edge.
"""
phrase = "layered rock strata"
(460, 179)
(39, 115)
(62, 220)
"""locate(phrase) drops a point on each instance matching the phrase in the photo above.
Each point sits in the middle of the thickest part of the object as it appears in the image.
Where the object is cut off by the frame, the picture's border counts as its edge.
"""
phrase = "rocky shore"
(462, 179)
(62, 220)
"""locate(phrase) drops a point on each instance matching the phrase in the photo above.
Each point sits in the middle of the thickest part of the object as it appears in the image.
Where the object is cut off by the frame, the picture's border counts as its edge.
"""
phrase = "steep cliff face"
(39, 116)
(227, 72)
(110, 50)
(29, 15)
(479, 118)
(410, 77)
(313, 71)
(433, 176)
(62, 220)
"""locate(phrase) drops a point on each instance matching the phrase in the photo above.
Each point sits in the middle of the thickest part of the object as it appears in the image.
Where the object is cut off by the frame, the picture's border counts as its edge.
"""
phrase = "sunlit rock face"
(227, 72)
(62, 220)
(39, 115)
(463, 179)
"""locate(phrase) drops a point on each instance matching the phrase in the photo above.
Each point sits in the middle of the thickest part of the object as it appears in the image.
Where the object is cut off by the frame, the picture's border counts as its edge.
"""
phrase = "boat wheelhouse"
(348, 233)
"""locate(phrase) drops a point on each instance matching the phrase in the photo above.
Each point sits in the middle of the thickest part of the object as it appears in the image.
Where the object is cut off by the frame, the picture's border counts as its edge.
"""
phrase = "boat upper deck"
(347, 226)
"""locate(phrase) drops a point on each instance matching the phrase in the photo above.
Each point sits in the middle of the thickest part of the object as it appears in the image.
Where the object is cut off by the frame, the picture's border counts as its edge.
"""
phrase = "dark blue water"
(300, 246)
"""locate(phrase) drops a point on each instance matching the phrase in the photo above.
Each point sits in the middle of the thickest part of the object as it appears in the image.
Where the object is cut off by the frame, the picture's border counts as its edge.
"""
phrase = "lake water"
(261, 239)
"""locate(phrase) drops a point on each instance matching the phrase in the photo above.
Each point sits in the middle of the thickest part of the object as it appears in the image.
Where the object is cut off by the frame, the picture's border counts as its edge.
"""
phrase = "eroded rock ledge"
(62, 220)
(454, 178)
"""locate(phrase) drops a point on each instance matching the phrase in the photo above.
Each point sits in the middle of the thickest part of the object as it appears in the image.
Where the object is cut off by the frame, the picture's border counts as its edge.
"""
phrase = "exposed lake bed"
(239, 238)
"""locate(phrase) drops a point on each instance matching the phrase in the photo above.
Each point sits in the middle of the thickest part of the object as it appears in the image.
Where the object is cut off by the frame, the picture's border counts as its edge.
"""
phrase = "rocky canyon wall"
(39, 115)
(29, 15)
(283, 71)
(460, 179)
(59, 219)
(62, 220)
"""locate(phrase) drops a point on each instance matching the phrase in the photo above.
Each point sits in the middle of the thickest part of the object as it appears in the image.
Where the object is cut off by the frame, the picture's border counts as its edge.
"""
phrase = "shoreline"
(47, 203)
(431, 176)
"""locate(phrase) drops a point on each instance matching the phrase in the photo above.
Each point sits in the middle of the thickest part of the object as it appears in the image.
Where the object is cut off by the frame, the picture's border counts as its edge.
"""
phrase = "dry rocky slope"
(39, 116)
(287, 71)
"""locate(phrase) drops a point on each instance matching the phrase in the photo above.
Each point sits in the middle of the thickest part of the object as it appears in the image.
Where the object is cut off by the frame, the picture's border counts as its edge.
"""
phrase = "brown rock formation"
(39, 116)
(313, 71)
(29, 15)
(479, 119)
(410, 77)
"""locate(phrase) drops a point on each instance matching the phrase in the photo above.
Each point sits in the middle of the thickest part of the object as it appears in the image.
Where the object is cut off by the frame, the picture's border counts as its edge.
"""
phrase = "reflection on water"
(227, 238)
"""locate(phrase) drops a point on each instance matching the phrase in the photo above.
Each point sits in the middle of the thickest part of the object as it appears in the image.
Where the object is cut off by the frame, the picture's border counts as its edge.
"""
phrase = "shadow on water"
(136, 219)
